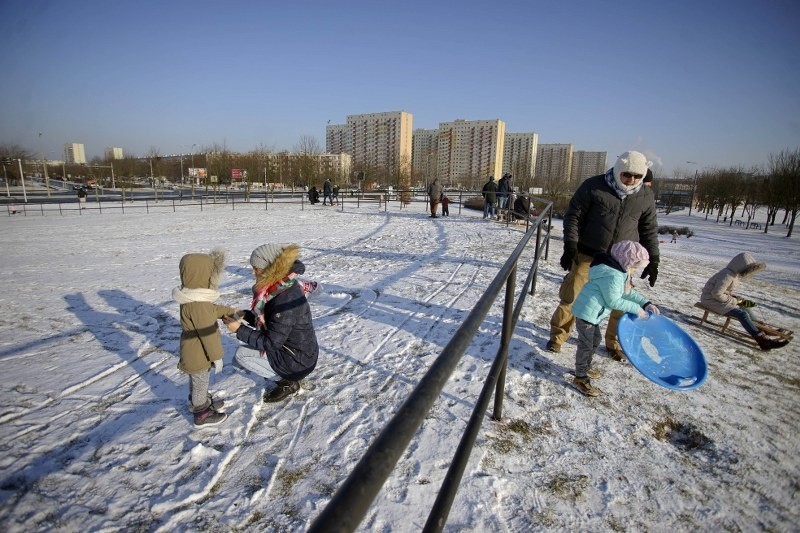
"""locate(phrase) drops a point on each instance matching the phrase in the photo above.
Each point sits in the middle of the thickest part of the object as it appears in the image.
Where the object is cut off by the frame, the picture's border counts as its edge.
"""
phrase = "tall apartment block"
(470, 151)
(425, 154)
(74, 153)
(112, 153)
(377, 141)
(519, 156)
(338, 139)
(553, 161)
(587, 164)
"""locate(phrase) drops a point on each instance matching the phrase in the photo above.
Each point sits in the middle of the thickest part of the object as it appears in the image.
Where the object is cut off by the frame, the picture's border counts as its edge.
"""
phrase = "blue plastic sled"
(662, 351)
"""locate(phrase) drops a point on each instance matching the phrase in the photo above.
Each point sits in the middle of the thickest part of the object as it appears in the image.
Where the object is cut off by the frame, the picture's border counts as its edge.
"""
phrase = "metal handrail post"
(505, 340)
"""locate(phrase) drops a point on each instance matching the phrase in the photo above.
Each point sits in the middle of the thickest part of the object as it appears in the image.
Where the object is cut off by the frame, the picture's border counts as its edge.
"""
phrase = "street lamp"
(22, 177)
(694, 184)
(44, 166)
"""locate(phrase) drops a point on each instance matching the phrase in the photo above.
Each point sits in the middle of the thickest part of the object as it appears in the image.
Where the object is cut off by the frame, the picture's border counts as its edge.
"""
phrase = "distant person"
(327, 192)
(435, 191)
(674, 237)
(277, 329)
(648, 178)
(502, 192)
(522, 207)
(201, 342)
(609, 287)
(604, 210)
(489, 193)
(82, 197)
(445, 205)
(335, 194)
(718, 296)
(313, 195)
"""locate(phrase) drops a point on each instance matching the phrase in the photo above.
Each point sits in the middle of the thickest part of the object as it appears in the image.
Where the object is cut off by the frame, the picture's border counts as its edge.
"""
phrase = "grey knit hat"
(266, 254)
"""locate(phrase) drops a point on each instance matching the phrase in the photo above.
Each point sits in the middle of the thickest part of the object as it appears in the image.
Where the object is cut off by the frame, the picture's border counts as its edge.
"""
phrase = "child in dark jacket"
(201, 343)
(280, 338)
(609, 287)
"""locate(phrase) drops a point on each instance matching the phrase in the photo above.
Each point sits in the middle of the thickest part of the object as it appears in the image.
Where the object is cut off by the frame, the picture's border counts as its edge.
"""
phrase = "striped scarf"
(267, 293)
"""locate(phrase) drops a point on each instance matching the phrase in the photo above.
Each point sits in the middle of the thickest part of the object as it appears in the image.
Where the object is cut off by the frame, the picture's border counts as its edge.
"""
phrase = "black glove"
(651, 270)
(570, 252)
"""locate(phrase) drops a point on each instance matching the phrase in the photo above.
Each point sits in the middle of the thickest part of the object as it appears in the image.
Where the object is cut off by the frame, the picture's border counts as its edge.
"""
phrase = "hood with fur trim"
(279, 268)
(202, 271)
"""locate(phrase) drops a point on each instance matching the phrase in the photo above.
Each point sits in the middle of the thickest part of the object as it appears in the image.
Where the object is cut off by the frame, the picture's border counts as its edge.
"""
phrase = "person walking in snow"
(281, 344)
(445, 205)
(327, 192)
(489, 193)
(201, 342)
(718, 296)
(674, 237)
(604, 210)
(435, 191)
(609, 288)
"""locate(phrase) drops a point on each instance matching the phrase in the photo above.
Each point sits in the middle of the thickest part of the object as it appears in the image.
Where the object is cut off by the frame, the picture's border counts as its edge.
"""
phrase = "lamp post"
(22, 177)
(44, 166)
(694, 184)
(5, 176)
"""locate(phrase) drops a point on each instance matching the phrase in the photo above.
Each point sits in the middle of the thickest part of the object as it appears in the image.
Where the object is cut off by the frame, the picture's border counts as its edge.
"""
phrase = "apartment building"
(112, 153)
(469, 151)
(553, 162)
(587, 164)
(380, 143)
(75, 153)
(338, 139)
(424, 154)
(519, 156)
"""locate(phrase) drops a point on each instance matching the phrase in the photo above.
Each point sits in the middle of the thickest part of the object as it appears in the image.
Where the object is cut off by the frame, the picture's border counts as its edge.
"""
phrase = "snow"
(96, 433)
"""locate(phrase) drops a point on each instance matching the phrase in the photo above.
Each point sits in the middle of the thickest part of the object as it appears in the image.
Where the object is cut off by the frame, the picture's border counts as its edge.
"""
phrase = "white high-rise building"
(587, 164)
(470, 151)
(519, 156)
(337, 139)
(381, 143)
(112, 153)
(553, 162)
(74, 153)
(425, 151)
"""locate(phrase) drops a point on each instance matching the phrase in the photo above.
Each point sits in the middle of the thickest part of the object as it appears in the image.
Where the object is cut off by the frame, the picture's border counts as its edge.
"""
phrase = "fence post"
(505, 339)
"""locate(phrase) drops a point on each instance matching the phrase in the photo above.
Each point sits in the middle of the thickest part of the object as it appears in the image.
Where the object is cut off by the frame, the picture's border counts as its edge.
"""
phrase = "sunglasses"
(628, 175)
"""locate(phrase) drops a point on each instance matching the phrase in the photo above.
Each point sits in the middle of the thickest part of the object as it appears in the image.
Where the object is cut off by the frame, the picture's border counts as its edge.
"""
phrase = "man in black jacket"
(605, 209)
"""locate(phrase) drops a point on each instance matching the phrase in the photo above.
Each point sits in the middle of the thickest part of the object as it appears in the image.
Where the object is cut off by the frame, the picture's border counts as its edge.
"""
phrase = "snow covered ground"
(96, 435)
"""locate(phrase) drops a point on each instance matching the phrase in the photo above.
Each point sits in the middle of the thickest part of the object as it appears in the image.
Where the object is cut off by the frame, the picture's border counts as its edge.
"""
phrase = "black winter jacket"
(289, 340)
(597, 218)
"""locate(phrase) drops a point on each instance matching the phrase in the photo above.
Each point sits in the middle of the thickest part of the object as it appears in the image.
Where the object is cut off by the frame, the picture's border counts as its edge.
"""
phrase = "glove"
(652, 309)
(570, 252)
(745, 303)
(651, 270)
(217, 365)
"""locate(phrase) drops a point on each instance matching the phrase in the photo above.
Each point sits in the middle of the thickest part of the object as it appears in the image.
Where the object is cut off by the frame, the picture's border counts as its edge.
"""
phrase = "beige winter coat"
(718, 293)
(201, 342)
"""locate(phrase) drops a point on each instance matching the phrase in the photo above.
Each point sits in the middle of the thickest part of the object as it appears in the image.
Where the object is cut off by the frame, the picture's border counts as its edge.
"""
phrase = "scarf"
(183, 295)
(267, 293)
(618, 189)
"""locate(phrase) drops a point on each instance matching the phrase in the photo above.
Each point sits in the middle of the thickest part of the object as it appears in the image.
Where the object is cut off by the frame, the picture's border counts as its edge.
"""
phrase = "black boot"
(285, 388)
(766, 344)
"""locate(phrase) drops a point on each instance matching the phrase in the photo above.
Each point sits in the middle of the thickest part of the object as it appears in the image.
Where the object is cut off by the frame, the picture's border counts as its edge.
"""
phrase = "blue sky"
(714, 82)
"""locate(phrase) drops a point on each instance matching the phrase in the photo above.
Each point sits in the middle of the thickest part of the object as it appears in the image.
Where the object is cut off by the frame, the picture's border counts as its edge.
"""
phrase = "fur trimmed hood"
(202, 271)
(279, 268)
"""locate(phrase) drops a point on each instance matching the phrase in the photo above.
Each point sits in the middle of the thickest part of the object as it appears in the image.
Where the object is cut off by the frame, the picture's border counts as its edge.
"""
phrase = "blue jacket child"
(609, 287)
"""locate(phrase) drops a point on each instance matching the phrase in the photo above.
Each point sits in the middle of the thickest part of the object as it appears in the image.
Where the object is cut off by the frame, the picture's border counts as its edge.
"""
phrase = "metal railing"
(352, 500)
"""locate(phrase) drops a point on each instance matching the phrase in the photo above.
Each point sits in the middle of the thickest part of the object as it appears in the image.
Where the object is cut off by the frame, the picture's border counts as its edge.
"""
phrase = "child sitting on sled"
(201, 342)
(610, 287)
(718, 297)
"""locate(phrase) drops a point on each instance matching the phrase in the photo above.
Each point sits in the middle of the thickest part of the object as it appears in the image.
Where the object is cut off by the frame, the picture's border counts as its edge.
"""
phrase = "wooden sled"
(736, 334)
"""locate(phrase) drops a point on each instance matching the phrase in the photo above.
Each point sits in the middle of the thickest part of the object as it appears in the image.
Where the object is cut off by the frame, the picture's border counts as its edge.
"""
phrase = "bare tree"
(784, 168)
